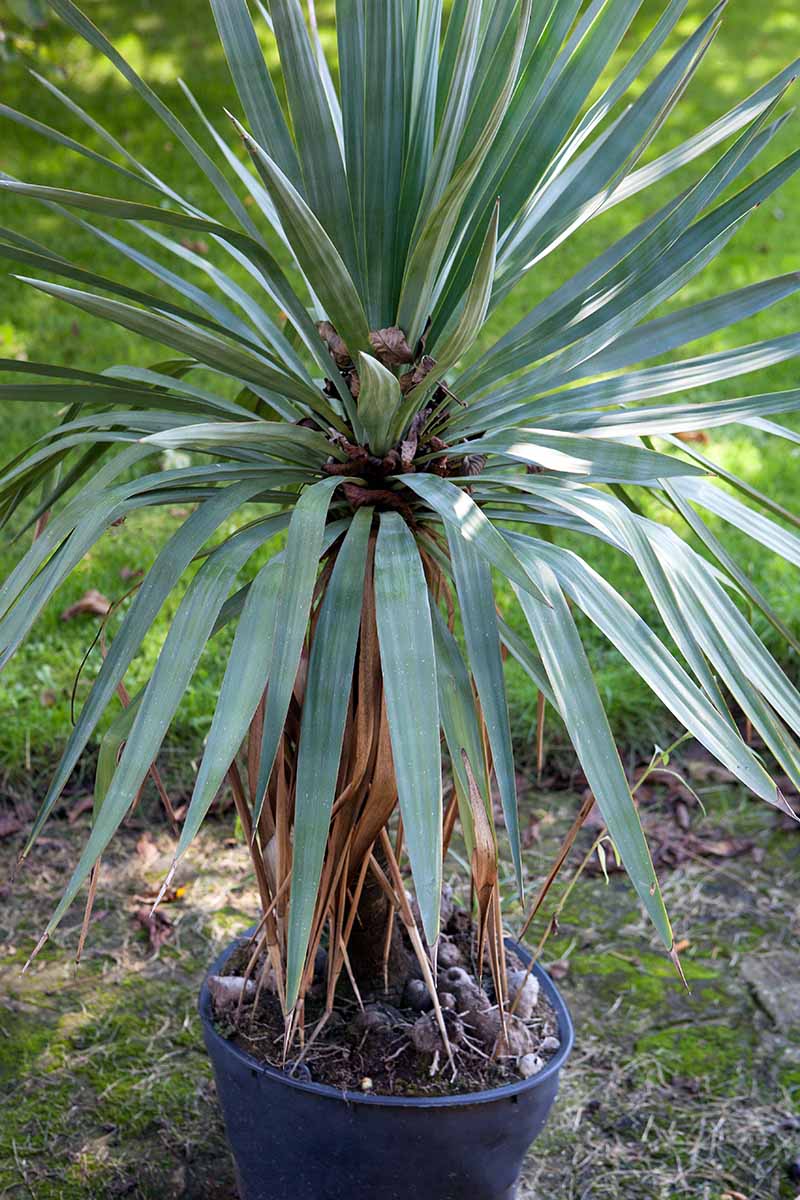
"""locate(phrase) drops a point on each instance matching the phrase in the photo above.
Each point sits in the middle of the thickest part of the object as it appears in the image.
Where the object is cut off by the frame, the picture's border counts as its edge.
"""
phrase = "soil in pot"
(390, 1044)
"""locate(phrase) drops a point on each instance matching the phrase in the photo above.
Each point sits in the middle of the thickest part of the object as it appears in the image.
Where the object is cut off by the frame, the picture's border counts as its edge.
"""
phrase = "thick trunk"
(367, 945)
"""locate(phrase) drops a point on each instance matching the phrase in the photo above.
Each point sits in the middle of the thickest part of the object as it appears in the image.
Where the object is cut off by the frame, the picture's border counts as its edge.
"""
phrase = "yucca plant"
(379, 220)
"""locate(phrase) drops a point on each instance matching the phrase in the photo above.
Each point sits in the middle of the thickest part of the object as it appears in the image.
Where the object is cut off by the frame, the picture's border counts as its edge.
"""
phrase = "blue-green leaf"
(582, 712)
(476, 601)
(304, 544)
(325, 704)
(408, 664)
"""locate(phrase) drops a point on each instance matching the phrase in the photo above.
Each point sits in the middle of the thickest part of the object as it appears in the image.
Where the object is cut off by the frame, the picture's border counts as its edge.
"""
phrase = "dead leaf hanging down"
(93, 603)
(411, 379)
(159, 927)
(9, 824)
(391, 347)
(335, 344)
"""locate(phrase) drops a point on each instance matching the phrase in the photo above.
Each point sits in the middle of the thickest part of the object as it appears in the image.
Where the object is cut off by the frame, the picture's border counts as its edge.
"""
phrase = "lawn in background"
(165, 42)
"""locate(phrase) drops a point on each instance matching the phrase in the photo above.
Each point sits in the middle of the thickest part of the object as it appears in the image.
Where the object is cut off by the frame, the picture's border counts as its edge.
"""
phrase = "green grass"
(165, 42)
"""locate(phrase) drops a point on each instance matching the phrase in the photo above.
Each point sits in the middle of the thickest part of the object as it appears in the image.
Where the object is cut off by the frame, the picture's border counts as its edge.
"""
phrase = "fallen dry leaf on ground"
(171, 896)
(82, 804)
(671, 846)
(92, 602)
(159, 927)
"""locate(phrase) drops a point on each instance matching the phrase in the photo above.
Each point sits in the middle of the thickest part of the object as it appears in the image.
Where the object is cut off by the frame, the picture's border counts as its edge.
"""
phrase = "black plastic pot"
(307, 1141)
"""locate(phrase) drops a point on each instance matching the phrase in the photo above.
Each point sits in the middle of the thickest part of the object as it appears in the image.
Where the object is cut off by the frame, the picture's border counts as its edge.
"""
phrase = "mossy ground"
(105, 1089)
(166, 42)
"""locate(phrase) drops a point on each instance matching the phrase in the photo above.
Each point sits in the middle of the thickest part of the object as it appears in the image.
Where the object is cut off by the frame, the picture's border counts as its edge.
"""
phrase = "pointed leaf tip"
(676, 962)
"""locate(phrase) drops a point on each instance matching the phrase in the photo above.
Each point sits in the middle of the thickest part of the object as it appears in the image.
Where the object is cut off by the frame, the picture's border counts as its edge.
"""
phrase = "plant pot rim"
(566, 1033)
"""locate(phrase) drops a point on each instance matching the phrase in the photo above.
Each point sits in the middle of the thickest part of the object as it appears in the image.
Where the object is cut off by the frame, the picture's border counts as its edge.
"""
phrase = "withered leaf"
(159, 927)
(408, 449)
(82, 805)
(484, 855)
(474, 463)
(92, 602)
(410, 379)
(420, 346)
(335, 344)
(391, 347)
(171, 896)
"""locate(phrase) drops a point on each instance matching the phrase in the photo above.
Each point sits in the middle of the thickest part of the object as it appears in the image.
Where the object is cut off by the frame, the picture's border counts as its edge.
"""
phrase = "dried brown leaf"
(335, 344)
(484, 855)
(411, 379)
(82, 804)
(159, 927)
(92, 602)
(391, 347)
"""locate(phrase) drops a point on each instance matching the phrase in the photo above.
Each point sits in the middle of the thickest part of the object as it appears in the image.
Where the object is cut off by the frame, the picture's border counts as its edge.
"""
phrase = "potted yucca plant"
(376, 220)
